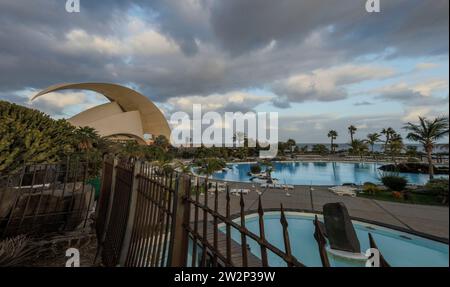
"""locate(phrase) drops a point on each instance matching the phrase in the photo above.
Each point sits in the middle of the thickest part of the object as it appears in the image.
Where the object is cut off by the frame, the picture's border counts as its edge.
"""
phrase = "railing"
(45, 198)
(153, 217)
(136, 217)
(210, 246)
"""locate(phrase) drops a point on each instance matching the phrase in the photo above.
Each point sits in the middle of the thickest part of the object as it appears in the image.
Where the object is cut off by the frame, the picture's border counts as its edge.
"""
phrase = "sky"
(321, 64)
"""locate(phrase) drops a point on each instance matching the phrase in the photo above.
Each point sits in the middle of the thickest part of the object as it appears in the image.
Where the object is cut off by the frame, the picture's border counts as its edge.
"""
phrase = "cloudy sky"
(322, 64)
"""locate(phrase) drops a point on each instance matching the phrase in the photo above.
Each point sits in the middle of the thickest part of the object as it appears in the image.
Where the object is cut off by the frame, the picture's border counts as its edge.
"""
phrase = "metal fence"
(155, 217)
(136, 214)
(45, 198)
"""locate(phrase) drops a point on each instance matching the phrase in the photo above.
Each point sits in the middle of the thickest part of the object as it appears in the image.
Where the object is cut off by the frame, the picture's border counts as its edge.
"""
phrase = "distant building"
(129, 116)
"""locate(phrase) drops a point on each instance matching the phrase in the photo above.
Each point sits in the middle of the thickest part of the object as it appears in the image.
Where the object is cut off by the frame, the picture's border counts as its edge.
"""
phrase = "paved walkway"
(433, 220)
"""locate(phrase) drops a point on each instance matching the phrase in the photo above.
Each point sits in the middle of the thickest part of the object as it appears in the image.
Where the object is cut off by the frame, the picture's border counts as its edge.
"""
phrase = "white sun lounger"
(343, 190)
(239, 191)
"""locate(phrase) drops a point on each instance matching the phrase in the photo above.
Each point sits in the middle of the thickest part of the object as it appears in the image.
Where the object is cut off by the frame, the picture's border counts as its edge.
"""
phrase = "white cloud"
(413, 114)
(59, 100)
(428, 88)
(138, 39)
(328, 84)
(232, 101)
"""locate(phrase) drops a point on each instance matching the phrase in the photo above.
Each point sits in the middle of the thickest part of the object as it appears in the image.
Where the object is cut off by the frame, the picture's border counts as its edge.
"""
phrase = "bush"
(370, 188)
(395, 183)
(397, 195)
(255, 168)
(29, 136)
(15, 251)
(438, 187)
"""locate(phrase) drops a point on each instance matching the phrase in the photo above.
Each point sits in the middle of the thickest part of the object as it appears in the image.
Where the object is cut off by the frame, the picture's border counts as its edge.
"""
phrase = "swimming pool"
(318, 173)
(398, 248)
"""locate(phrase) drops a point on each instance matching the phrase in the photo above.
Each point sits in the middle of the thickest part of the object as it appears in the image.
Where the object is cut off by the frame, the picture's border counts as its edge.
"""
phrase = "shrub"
(29, 136)
(438, 187)
(395, 183)
(255, 168)
(370, 188)
(15, 251)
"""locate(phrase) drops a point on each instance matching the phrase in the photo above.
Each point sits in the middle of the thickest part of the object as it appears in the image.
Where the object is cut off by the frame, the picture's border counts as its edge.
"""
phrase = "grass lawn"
(414, 197)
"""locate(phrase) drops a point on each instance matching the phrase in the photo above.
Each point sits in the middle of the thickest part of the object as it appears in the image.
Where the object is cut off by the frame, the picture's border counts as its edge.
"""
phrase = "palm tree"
(182, 167)
(332, 135)
(372, 139)
(352, 129)
(162, 141)
(291, 144)
(359, 147)
(86, 137)
(395, 146)
(208, 166)
(387, 133)
(269, 168)
(427, 132)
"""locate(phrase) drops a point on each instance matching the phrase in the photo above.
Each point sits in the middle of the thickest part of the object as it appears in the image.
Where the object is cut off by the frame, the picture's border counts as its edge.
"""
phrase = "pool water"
(398, 248)
(319, 173)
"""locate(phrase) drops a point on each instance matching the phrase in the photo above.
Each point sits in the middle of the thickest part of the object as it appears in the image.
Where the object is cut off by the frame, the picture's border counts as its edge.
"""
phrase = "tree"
(269, 168)
(352, 130)
(320, 149)
(358, 147)
(30, 136)
(86, 138)
(372, 139)
(162, 141)
(395, 146)
(387, 133)
(208, 166)
(332, 135)
(427, 132)
(291, 144)
(304, 149)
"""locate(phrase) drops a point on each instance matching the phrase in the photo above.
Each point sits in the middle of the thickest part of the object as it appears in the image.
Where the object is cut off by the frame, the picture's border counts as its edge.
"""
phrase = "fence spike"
(320, 239)
(287, 243)
(262, 234)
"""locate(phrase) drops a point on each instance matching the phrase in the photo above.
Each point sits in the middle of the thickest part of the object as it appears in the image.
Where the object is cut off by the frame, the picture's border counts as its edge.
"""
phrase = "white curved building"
(128, 115)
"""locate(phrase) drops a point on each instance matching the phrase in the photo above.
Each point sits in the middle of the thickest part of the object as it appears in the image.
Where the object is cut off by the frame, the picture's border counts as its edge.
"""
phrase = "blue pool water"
(398, 248)
(318, 173)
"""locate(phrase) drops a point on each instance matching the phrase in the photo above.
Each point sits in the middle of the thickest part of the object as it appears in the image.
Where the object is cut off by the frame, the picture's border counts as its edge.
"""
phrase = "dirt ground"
(55, 256)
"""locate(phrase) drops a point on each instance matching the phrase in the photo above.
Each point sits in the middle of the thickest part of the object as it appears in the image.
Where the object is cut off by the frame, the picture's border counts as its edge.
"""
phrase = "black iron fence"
(46, 198)
(152, 216)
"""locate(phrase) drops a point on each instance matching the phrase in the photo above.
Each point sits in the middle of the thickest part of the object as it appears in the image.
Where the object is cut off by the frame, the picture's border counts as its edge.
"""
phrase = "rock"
(339, 228)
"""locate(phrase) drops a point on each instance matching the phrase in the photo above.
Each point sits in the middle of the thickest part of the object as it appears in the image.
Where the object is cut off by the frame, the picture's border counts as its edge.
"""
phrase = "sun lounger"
(239, 191)
(343, 190)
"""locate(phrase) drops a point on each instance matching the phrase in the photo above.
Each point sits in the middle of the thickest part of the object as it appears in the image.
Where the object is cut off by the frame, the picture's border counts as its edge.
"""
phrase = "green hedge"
(395, 183)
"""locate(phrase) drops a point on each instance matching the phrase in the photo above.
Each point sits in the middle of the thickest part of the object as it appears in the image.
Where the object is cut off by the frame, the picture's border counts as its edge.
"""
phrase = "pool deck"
(431, 220)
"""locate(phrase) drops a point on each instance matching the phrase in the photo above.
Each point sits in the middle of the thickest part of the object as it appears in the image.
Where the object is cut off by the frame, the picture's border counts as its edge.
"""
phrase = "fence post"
(102, 238)
(131, 214)
(179, 241)
(111, 199)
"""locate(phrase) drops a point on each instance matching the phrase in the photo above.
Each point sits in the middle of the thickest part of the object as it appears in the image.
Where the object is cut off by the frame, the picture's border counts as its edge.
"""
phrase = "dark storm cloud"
(225, 45)
(243, 25)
